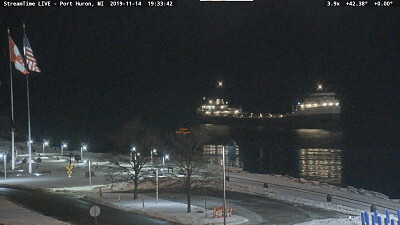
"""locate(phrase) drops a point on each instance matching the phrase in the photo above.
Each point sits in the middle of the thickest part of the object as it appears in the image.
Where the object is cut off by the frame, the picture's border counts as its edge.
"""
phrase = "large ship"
(318, 110)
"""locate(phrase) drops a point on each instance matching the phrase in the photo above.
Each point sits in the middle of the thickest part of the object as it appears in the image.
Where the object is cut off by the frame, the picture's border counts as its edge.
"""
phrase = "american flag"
(30, 59)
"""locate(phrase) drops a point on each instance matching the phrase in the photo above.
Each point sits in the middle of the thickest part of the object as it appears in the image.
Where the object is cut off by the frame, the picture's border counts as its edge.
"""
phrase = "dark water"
(335, 157)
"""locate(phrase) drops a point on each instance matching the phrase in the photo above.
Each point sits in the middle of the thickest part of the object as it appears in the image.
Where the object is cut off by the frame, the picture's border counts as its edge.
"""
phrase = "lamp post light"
(63, 145)
(83, 148)
(45, 144)
(151, 155)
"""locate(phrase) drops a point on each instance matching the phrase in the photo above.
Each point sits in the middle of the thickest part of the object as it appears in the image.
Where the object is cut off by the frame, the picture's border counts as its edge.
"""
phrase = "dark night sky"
(101, 67)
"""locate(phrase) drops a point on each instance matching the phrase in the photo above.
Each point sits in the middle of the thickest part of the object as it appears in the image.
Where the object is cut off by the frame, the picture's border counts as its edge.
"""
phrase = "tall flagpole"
(12, 108)
(29, 117)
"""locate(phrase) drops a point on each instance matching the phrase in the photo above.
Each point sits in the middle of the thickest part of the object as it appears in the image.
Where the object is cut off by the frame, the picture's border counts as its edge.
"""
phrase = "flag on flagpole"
(16, 57)
(30, 59)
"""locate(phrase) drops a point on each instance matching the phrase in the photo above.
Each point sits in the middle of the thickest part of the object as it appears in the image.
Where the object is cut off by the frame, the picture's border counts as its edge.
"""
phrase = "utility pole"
(157, 186)
(223, 168)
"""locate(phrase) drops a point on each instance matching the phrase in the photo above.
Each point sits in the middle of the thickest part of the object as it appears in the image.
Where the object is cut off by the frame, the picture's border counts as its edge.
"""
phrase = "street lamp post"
(151, 155)
(30, 153)
(45, 144)
(223, 168)
(157, 186)
(90, 176)
(133, 151)
(83, 148)
(5, 164)
(165, 158)
(63, 145)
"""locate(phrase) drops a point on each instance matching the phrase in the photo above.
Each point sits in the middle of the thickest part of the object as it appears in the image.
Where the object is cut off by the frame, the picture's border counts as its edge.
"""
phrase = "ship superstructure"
(319, 103)
(218, 107)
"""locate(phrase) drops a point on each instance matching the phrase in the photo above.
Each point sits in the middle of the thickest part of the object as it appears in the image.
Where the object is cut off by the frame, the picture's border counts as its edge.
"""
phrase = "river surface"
(340, 157)
(71, 209)
(334, 157)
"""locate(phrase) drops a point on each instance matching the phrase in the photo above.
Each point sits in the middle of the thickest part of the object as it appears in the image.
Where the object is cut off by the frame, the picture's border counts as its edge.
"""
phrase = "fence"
(219, 212)
(377, 220)
(231, 163)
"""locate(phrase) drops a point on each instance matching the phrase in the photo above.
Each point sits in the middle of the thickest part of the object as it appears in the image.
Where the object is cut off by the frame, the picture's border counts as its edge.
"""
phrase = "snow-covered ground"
(51, 175)
(340, 221)
(163, 209)
(12, 214)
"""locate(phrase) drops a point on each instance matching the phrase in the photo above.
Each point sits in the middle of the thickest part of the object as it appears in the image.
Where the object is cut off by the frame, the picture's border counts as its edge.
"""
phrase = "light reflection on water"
(324, 165)
(319, 156)
(312, 154)
(343, 158)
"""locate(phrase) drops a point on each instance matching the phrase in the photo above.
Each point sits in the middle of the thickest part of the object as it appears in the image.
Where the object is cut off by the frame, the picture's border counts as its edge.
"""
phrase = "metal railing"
(231, 163)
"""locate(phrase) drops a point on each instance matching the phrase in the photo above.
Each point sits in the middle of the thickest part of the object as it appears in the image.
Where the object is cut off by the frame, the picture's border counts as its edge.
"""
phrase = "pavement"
(12, 214)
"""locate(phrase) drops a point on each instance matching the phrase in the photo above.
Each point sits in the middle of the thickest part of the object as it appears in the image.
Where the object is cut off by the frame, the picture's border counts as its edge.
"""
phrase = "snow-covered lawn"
(163, 209)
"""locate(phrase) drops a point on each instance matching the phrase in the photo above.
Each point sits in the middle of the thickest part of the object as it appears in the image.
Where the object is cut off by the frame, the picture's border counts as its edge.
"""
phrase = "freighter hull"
(316, 121)
(313, 121)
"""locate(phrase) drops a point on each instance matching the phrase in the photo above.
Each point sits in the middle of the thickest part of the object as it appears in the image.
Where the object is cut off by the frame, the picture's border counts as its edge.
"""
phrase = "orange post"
(220, 212)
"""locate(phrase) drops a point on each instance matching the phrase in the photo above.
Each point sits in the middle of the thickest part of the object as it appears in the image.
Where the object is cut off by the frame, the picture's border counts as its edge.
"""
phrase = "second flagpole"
(29, 117)
(12, 109)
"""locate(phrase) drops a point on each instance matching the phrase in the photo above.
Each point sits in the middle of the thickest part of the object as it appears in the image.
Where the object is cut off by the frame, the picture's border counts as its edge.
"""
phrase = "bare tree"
(190, 162)
(134, 145)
